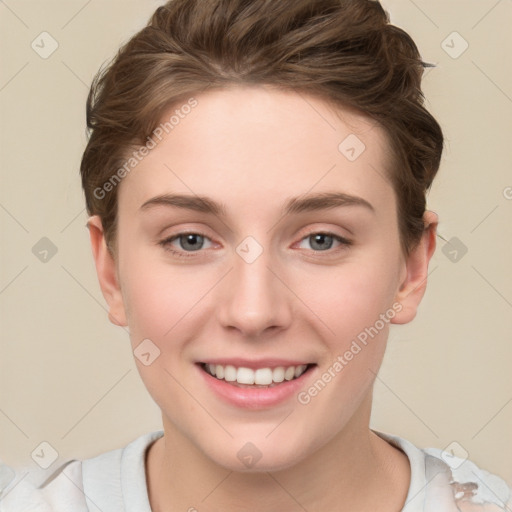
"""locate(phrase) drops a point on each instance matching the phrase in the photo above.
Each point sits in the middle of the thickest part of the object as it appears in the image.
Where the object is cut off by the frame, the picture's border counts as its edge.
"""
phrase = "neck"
(355, 471)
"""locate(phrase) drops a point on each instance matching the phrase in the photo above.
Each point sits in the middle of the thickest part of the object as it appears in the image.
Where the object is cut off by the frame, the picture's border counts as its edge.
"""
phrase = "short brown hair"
(343, 51)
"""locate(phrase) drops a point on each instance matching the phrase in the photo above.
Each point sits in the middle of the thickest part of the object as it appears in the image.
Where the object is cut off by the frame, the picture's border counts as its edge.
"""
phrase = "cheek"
(355, 302)
(158, 295)
(148, 300)
(352, 296)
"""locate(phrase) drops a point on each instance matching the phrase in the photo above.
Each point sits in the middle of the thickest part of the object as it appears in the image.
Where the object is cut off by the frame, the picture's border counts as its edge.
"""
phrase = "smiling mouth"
(255, 378)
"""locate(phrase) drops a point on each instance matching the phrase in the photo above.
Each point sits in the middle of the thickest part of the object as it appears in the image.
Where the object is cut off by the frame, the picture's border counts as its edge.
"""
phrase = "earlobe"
(414, 284)
(107, 272)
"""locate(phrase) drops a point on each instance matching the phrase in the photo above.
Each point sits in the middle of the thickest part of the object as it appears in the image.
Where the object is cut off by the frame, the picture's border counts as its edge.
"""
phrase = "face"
(284, 253)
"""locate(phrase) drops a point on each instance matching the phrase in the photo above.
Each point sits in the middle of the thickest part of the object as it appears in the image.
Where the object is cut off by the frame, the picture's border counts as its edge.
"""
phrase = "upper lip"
(239, 362)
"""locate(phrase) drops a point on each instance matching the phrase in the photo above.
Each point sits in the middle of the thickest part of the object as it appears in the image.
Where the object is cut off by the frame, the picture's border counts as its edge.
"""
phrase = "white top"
(115, 481)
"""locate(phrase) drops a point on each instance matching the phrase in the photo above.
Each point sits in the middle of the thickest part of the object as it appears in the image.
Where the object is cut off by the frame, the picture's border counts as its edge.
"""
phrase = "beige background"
(67, 375)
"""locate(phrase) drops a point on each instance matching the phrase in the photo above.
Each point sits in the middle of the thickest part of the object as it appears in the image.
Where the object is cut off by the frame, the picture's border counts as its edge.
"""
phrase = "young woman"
(255, 178)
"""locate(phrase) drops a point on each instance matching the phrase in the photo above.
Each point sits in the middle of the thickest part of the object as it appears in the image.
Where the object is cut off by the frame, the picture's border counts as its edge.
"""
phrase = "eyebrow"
(295, 205)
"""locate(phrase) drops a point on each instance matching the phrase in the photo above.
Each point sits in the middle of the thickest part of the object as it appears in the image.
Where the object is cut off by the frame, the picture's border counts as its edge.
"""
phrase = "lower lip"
(255, 398)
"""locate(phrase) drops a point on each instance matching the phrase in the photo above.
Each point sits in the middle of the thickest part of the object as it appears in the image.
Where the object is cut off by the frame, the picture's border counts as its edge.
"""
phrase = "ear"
(414, 283)
(107, 272)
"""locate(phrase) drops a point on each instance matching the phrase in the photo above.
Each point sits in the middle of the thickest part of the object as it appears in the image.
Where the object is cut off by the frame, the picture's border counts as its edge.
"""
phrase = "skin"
(252, 149)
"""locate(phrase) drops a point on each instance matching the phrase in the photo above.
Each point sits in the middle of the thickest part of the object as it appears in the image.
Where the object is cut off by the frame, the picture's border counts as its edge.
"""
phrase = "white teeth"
(245, 376)
(263, 376)
(260, 377)
(230, 373)
(278, 374)
(299, 370)
(289, 373)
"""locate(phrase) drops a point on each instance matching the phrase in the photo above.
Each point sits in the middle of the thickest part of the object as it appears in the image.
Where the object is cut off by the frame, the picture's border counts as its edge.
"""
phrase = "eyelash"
(345, 243)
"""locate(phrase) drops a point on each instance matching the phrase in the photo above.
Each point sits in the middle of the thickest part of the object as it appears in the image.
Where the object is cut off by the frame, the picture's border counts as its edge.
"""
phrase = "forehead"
(245, 144)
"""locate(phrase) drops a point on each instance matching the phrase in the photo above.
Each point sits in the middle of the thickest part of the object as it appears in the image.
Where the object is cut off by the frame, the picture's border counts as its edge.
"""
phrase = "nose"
(253, 298)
